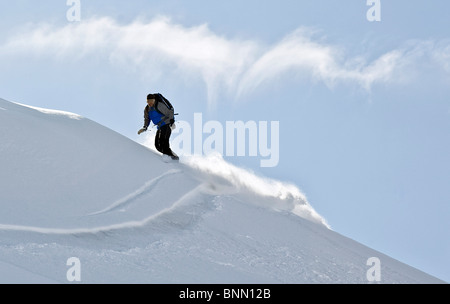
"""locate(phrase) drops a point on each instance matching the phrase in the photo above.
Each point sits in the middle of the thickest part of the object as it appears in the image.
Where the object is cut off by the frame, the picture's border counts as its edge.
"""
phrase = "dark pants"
(162, 140)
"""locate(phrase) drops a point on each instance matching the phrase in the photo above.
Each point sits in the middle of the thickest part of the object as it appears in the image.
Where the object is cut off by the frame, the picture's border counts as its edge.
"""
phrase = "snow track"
(144, 190)
(190, 199)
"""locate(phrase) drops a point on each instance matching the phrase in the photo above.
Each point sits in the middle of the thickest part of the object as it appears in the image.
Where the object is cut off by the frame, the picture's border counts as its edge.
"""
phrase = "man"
(161, 113)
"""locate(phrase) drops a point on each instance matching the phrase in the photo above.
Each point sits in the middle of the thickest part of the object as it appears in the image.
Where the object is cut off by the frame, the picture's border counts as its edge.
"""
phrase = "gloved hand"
(142, 130)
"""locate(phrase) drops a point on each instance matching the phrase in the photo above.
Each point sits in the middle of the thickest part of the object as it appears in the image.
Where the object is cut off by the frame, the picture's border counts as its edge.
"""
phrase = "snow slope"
(73, 188)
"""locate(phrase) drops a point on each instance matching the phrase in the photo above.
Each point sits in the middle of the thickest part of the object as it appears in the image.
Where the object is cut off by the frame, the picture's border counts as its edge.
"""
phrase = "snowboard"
(170, 159)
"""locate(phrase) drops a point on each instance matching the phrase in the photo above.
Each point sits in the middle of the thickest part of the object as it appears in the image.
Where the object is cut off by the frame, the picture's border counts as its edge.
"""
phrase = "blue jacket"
(155, 117)
(159, 117)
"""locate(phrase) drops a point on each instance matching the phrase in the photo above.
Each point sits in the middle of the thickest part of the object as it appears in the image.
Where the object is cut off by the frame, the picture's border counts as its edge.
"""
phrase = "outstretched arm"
(146, 118)
(146, 121)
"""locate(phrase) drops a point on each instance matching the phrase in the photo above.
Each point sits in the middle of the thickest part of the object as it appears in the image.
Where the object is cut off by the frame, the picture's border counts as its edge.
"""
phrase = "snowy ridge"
(73, 188)
(51, 112)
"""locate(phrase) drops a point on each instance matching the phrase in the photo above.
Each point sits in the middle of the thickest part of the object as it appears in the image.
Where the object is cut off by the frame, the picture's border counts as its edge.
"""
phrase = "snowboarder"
(161, 113)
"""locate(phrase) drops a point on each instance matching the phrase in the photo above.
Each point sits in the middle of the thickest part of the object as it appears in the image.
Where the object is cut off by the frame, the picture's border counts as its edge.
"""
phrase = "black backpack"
(164, 100)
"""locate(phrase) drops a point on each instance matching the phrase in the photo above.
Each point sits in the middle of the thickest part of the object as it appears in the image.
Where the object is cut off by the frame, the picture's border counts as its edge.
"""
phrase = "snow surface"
(73, 188)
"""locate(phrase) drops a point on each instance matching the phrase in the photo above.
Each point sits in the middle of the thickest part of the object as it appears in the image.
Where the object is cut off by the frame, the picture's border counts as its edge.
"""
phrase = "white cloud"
(158, 47)
(299, 52)
(150, 47)
(441, 55)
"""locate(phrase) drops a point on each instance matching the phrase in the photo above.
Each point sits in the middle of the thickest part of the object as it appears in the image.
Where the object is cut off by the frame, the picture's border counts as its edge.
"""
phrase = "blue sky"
(363, 106)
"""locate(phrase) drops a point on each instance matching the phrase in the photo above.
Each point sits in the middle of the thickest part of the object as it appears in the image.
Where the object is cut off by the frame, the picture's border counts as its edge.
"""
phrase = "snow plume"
(161, 48)
(271, 193)
(223, 178)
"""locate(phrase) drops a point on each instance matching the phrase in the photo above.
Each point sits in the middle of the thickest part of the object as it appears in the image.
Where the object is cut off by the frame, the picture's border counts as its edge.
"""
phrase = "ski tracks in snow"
(146, 188)
(169, 216)
(189, 196)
